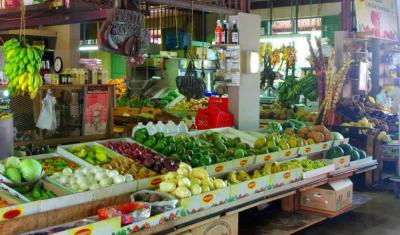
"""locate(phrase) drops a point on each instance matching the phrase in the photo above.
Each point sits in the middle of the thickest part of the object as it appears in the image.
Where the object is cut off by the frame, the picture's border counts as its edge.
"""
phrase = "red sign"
(251, 184)
(96, 110)
(243, 162)
(219, 168)
(208, 198)
(286, 175)
(267, 158)
(11, 214)
(84, 231)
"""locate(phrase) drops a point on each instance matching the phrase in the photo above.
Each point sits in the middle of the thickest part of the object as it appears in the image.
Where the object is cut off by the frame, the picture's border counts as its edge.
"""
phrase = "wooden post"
(288, 203)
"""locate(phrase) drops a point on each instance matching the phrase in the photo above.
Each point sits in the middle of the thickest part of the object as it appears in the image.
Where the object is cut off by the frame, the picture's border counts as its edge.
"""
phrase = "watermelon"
(337, 136)
(354, 155)
(335, 152)
(347, 148)
(362, 154)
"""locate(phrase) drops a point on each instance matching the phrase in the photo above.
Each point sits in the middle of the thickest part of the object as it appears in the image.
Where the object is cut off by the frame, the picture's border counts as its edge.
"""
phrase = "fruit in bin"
(362, 154)
(275, 167)
(95, 155)
(337, 136)
(347, 148)
(56, 164)
(384, 137)
(354, 155)
(14, 175)
(144, 156)
(31, 169)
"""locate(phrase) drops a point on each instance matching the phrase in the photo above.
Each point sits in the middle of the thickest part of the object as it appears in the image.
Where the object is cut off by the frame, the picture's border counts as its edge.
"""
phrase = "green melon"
(347, 148)
(354, 155)
(335, 152)
(337, 136)
(362, 154)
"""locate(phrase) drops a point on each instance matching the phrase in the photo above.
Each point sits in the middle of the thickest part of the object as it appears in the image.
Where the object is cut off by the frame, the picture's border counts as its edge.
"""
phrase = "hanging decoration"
(317, 62)
(124, 32)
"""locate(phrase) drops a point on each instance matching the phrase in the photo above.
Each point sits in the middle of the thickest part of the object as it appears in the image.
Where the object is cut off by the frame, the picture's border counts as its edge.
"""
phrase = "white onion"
(63, 179)
(56, 175)
(78, 174)
(118, 179)
(83, 186)
(94, 186)
(100, 175)
(74, 187)
(128, 178)
(67, 171)
(81, 180)
(106, 182)
(112, 173)
(85, 171)
(72, 180)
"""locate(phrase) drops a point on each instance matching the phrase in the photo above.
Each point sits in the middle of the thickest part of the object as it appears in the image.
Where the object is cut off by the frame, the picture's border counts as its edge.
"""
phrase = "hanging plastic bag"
(47, 117)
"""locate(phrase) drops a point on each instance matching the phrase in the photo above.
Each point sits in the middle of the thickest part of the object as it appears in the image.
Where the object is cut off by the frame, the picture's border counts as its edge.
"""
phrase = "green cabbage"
(31, 169)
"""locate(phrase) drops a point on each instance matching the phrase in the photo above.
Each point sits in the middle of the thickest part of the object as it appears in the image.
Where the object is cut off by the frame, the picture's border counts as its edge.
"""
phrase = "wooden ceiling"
(95, 10)
(259, 4)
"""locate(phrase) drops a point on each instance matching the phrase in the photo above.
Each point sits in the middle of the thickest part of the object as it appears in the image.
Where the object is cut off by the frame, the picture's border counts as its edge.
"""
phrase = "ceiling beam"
(262, 4)
(196, 6)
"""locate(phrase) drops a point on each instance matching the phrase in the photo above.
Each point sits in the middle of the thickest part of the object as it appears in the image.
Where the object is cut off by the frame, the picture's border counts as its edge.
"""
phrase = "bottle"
(218, 33)
(99, 76)
(235, 33)
(225, 38)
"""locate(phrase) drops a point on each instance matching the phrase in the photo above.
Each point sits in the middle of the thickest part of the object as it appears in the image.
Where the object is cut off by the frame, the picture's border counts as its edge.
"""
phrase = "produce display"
(141, 102)
(363, 123)
(22, 66)
(128, 166)
(143, 155)
(159, 202)
(39, 193)
(360, 108)
(308, 86)
(4, 116)
(56, 164)
(186, 182)
(89, 178)
(309, 165)
(276, 141)
(345, 150)
(190, 105)
(93, 154)
(277, 112)
(20, 171)
(202, 150)
(120, 86)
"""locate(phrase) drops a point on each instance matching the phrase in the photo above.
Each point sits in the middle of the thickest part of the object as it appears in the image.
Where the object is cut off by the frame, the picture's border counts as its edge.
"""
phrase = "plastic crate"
(218, 103)
(213, 118)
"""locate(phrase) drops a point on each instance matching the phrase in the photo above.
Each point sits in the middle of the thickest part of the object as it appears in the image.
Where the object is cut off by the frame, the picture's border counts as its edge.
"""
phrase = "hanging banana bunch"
(22, 66)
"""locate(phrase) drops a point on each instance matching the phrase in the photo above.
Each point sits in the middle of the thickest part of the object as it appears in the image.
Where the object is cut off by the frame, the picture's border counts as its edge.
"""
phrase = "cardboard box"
(250, 187)
(339, 142)
(225, 225)
(286, 177)
(277, 156)
(315, 148)
(150, 222)
(329, 198)
(204, 201)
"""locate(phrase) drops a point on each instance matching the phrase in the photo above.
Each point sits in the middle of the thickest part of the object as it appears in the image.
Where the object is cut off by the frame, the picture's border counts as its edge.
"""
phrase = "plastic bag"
(47, 117)
(162, 201)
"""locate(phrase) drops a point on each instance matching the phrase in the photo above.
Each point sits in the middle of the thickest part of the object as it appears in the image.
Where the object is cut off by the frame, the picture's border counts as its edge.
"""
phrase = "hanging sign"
(378, 18)
(123, 32)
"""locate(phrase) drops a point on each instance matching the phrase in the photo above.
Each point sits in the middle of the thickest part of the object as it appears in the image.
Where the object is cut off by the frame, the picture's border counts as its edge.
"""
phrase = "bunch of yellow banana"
(22, 65)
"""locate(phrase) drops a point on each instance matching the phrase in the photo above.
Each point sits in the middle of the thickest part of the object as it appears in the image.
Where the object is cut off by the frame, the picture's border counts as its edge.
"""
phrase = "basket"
(218, 103)
(213, 118)
(391, 150)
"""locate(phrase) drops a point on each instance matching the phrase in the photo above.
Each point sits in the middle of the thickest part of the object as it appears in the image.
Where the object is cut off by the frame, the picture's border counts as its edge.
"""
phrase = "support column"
(244, 100)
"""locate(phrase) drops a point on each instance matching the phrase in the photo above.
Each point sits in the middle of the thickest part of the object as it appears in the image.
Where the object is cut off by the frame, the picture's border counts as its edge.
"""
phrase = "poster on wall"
(378, 18)
(96, 110)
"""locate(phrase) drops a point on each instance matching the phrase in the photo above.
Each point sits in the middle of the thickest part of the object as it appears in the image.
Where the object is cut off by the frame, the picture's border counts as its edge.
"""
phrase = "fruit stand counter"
(197, 222)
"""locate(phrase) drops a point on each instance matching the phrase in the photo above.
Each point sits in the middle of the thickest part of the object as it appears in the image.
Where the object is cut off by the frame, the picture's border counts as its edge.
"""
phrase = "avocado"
(140, 138)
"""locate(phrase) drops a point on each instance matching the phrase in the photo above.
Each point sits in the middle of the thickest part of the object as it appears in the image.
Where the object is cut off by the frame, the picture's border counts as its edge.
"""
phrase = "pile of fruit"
(120, 86)
(202, 150)
(93, 154)
(278, 112)
(39, 193)
(289, 138)
(363, 123)
(56, 164)
(141, 102)
(309, 86)
(363, 107)
(236, 177)
(89, 178)
(309, 165)
(345, 150)
(190, 105)
(22, 66)
(4, 116)
(143, 155)
(126, 165)
(19, 171)
(168, 98)
(186, 182)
